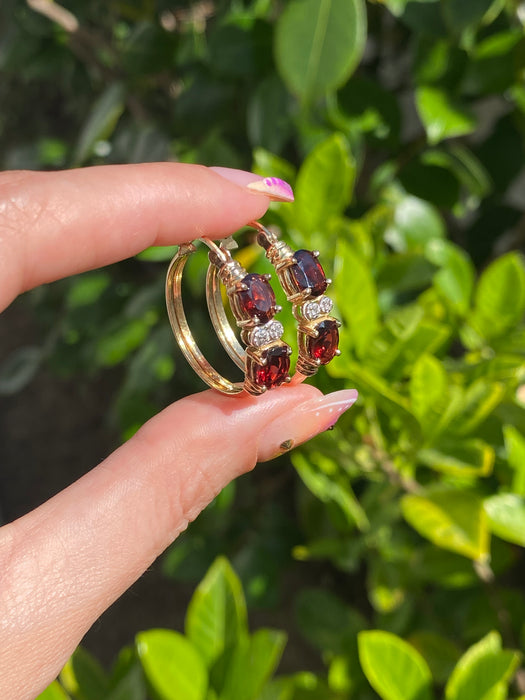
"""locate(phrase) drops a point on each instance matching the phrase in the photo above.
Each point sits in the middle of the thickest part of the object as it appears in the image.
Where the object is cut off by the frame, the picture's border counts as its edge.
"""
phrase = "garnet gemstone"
(258, 300)
(308, 273)
(323, 348)
(276, 369)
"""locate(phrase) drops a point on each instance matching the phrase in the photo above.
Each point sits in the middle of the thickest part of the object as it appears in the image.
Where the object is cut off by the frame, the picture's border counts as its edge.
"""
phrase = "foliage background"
(401, 126)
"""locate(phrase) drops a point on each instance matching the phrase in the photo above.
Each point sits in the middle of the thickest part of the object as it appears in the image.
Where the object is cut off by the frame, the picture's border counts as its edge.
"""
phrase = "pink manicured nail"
(273, 187)
(305, 422)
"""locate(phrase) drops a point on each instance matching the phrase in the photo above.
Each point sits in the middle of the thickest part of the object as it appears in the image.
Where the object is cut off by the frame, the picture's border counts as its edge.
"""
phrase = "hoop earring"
(266, 364)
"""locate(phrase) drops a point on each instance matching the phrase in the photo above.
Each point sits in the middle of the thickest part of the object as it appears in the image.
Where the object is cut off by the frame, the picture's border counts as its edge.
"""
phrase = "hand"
(64, 563)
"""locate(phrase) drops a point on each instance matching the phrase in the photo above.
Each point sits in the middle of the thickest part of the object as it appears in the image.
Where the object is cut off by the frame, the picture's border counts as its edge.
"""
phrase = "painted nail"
(273, 187)
(305, 422)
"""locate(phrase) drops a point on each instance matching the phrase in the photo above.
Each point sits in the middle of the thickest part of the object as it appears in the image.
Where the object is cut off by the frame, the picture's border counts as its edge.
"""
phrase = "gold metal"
(181, 330)
(223, 268)
(228, 271)
(281, 256)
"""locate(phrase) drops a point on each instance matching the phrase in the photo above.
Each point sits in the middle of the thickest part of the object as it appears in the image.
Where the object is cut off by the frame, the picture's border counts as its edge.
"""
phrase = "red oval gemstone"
(276, 369)
(308, 273)
(258, 301)
(323, 347)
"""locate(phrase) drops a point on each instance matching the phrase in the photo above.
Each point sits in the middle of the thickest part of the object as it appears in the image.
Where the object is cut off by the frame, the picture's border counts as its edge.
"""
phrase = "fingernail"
(305, 422)
(273, 187)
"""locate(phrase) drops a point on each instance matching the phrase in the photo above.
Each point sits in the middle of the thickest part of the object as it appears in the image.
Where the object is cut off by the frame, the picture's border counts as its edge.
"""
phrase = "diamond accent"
(326, 305)
(261, 335)
(319, 307)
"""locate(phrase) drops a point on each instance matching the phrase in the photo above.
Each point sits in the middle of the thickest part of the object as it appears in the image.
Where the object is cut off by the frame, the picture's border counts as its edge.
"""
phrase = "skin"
(64, 563)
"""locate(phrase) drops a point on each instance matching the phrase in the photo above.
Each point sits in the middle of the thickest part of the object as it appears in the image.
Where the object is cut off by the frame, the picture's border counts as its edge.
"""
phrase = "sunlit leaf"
(471, 457)
(481, 671)
(442, 117)
(515, 446)
(83, 677)
(451, 519)
(416, 222)
(393, 667)
(53, 692)
(506, 512)
(356, 294)
(216, 617)
(324, 184)
(500, 296)
(172, 665)
(252, 665)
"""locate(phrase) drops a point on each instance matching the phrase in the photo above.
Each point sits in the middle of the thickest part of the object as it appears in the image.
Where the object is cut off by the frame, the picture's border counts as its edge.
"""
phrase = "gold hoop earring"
(252, 301)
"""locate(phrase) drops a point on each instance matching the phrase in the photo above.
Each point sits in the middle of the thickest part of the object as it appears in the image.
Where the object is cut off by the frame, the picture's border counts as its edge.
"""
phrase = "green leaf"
(428, 387)
(370, 384)
(356, 295)
(481, 670)
(252, 665)
(442, 117)
(394, 668)
(455, 280)
(159, 253)
(460, 14)
(326, 621)
(416, 223)
(318, 44)
(114, 347)
(330, 488)
(267, 122)
(83, 676)
(216, 616)
(506, 513)
(478, 403)
(87, 289)
(53, 692)
(459, 458)
(451, 519)
(439, 652)
(172, 665)
(515, 447)
(269, 165)
(500, 296)
(101, 121)
(19, 369)
(324, 184)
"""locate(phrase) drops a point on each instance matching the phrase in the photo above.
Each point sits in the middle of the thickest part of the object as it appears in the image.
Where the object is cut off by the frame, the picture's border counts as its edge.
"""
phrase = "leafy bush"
(408, 174)
(217, 657)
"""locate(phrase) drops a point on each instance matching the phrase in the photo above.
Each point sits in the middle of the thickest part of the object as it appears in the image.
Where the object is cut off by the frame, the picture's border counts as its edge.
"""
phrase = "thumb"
(68, 560)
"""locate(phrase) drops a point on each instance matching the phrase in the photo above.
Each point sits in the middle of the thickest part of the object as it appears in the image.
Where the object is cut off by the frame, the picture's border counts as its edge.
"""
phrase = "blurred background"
(401, 125)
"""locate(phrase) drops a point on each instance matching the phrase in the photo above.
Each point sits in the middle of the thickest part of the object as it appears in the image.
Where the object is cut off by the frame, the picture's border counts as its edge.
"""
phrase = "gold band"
(181, 329)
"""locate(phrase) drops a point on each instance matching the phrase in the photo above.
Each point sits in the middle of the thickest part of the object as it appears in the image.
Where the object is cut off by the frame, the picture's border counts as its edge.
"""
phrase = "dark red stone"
(324, 346)
(259, 299)
(276, 369)
(307, 272)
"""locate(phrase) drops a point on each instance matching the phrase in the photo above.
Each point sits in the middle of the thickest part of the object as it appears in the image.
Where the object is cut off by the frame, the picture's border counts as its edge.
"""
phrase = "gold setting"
(282, 257)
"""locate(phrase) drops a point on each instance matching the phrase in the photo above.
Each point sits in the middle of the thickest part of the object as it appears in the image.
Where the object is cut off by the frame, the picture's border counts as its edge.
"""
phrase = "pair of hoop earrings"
(266, 359)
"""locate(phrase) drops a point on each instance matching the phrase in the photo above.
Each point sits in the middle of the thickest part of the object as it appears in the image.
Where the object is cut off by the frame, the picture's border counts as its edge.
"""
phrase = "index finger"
(60, 223)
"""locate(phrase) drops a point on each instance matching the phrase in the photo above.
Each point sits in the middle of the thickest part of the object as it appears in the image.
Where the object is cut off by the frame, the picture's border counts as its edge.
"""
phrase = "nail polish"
(273, 187)
(303, 423)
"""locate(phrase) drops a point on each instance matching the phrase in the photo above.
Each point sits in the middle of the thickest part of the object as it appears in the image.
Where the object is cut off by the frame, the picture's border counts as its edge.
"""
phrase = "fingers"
(56, 224)
(71, 558)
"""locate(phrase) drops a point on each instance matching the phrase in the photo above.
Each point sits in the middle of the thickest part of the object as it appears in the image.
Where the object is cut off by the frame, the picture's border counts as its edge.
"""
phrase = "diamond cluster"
(261, 335)
(317, 307)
